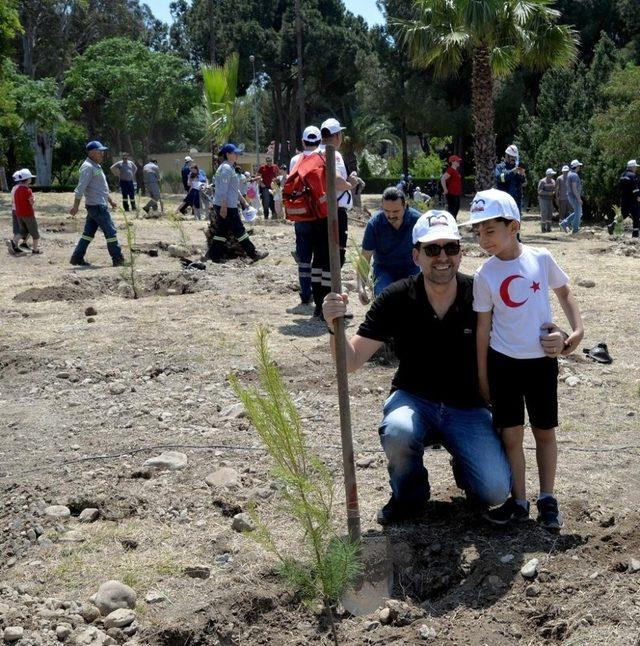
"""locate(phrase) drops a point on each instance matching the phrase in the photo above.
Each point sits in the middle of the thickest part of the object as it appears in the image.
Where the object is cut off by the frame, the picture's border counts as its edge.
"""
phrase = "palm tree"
(220, 83)
(498, 36)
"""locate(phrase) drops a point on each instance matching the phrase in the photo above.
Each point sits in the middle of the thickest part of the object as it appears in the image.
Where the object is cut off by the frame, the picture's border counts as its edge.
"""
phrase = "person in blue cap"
(93, 185)
(226, 217)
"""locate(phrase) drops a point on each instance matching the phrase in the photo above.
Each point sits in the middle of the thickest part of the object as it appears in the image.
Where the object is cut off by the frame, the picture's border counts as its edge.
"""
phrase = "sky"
(365, 8)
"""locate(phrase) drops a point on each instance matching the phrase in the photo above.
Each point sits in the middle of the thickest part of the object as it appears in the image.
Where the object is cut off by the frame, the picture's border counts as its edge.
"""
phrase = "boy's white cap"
(550, 171)
(632, 163)
(512, 151)
(575, 163)
(493, 203)
(22, 174)
(565, 169)
(188, 158)
(332, 125)
(435, 225)
(311, 134)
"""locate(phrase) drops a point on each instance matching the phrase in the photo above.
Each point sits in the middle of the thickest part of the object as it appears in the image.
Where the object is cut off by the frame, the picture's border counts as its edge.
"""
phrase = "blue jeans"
(98, 217)
(304, 252)
(383, 277)
(573, 219)
(410, 423)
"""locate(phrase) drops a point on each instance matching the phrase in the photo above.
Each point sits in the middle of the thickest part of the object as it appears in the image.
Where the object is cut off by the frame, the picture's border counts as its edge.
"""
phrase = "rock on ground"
(530, 569)
(119, 618)
(57, 511)
(224, 477)
(112, 595)
(171, 460)
(243, 523)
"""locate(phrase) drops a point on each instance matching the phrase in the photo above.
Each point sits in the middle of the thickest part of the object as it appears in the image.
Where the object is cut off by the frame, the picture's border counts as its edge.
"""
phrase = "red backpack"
(304, 194)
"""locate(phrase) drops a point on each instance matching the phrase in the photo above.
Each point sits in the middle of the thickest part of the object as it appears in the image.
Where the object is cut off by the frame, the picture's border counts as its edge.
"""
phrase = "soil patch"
(82, 288)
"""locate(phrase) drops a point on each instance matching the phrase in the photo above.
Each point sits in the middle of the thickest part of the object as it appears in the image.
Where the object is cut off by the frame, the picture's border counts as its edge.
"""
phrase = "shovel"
(374, 583)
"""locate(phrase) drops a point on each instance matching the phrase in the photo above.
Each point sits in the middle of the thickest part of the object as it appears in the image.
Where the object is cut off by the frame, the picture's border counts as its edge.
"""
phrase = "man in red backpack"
(304, 239)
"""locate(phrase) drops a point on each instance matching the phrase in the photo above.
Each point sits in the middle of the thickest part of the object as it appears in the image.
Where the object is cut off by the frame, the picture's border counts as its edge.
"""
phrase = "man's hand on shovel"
(334, 306)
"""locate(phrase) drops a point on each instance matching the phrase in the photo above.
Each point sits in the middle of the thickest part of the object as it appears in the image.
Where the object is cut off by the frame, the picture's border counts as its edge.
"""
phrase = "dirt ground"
(86, 399)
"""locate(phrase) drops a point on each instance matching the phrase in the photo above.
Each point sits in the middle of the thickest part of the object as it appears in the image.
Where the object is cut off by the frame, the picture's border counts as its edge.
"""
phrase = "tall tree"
(129, 94)
(498, 36)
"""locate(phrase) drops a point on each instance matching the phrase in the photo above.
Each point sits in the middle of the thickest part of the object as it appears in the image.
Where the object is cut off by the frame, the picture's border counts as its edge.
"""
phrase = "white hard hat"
(512, 151)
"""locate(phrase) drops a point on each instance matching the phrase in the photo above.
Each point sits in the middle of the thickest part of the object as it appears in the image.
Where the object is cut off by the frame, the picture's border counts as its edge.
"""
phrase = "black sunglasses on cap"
(433, 250)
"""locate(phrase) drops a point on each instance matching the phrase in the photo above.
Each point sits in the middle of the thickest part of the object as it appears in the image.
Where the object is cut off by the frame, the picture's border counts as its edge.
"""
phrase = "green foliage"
(322, 565)
(575, 118)
(129, 95)
(38, 102)
(616, 128)
(364, 170)
(420, 165)
(9, 25)
(220, 83)
(375, 164)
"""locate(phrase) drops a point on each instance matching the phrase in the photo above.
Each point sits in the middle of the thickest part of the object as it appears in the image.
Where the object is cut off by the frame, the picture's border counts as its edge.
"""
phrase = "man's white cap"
(575, 163)
(435, 225)
(187, 158)
(565, 169)
(632, 163)
(493, 203)
(332, 125)
(247, 174)
(22, 174)
(311, 135)
(550, 171)
(512, 151)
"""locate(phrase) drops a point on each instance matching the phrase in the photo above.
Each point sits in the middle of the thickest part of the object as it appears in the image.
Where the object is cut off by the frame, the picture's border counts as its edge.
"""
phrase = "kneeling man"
(435, 397)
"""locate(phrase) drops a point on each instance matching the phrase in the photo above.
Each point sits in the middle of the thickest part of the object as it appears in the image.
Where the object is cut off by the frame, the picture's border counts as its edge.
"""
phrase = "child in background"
(22, 198)
(276, 190)
(510, 295)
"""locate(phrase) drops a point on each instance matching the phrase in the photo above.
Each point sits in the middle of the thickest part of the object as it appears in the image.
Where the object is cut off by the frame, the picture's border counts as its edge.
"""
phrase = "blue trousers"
(128, 191)
(410, 423)
(304, 253)
(98, 217)
(573, 219)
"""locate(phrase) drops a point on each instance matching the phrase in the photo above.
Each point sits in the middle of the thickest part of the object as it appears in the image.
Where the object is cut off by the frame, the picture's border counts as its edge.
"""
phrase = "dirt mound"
(161, 284)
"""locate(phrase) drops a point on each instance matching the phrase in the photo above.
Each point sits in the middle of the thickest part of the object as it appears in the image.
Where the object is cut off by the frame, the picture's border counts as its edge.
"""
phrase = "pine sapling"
(361, 265)
(175, 220)
(129, 271)
(322, 565)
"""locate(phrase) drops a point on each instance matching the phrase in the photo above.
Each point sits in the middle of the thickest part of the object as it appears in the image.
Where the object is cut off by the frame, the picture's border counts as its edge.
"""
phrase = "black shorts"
(516, 382)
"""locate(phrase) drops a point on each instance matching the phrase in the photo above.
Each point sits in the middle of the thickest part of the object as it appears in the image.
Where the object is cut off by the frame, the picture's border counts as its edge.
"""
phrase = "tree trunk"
(484, 137)
(42, 144)
(300, 92)
(405, 149)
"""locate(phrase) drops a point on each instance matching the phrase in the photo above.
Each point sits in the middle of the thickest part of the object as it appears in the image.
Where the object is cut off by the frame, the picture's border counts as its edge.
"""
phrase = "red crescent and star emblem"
(504, 291)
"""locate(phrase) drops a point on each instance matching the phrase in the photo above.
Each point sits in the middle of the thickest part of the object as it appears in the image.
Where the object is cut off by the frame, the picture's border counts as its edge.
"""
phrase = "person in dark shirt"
(435, 397)
(629, 185)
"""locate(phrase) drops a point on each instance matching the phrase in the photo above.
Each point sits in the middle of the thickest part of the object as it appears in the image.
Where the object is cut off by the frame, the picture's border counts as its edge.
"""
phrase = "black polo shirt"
(437, 357)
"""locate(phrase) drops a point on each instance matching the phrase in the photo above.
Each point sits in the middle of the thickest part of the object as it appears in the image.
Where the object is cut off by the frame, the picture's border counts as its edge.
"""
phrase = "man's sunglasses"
(433, 250)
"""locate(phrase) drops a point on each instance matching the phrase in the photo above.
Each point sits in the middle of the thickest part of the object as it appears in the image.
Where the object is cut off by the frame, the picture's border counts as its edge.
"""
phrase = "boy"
(25, 216)
(510, 295)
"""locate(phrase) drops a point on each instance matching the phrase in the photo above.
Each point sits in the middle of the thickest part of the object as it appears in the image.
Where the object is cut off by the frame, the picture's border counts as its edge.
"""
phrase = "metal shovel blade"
(375, 582)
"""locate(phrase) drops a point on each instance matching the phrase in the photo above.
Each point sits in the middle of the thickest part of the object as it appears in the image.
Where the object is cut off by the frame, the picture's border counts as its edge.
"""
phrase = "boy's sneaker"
(79, 262)
(24, 245)
(548, 514)
(118, 262)
(564, 227)
(510, 511)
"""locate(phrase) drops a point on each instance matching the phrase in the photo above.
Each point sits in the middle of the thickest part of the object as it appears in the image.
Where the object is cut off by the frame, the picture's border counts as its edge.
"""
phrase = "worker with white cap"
(574, 190)
(562, 193)
(304, 230)
(629, 186)
(510, 174)
(546, 191)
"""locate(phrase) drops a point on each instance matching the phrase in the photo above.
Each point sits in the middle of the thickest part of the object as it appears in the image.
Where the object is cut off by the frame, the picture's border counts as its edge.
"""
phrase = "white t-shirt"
(196, 183)
(517, 291)
(345, 200)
